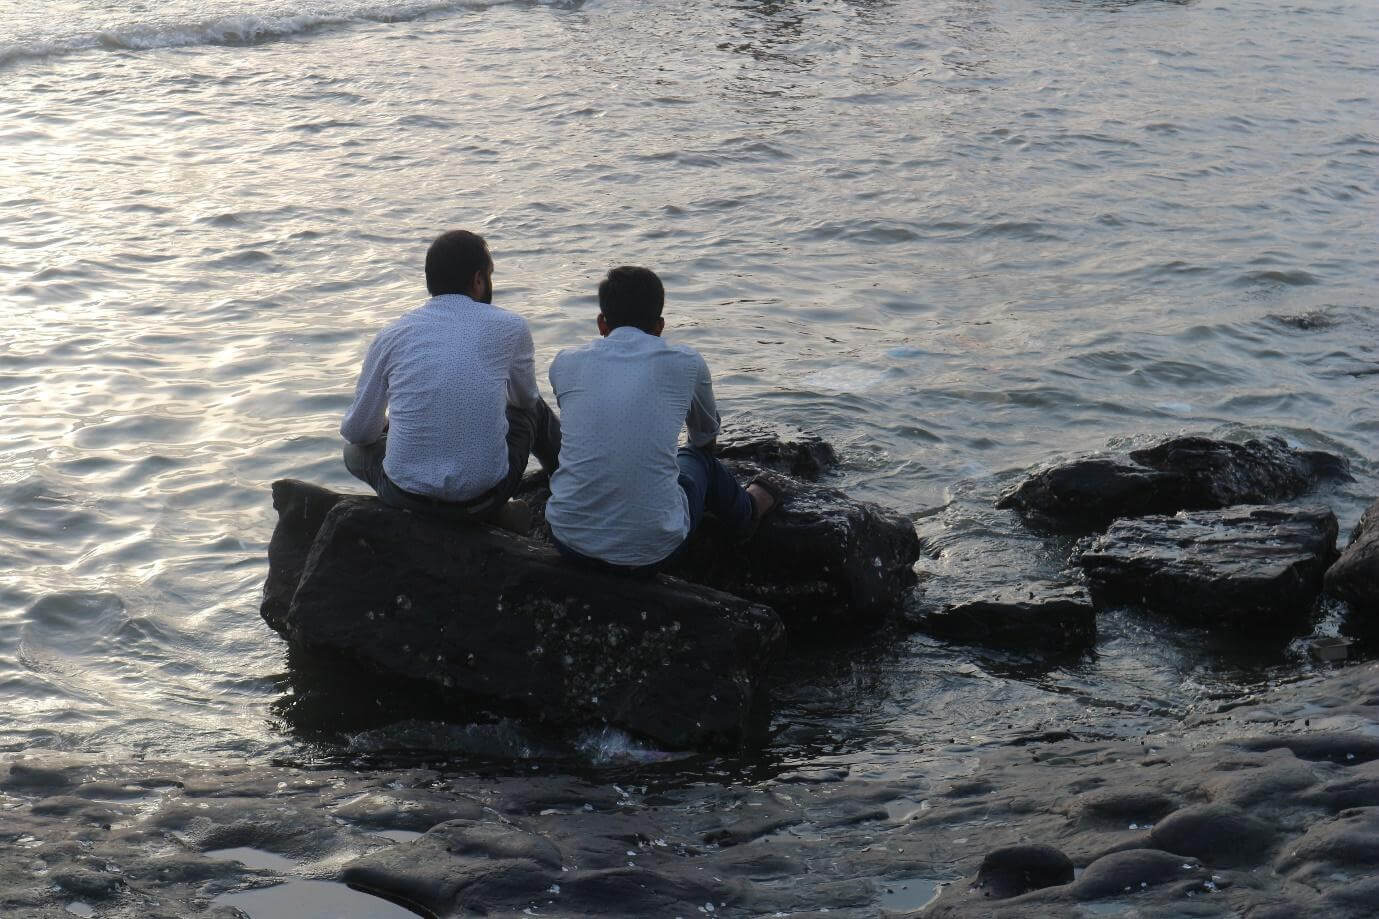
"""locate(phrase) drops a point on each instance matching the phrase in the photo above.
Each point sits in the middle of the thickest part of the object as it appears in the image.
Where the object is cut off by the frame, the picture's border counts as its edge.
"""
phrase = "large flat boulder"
(1039, 616)
(987, 580)
(1355, 576)
(1257, 568)
(1184, 473)
(484, 614)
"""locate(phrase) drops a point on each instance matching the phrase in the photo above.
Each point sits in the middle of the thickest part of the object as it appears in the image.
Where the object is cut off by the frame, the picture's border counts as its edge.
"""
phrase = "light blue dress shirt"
(623, 401)
(439, 380)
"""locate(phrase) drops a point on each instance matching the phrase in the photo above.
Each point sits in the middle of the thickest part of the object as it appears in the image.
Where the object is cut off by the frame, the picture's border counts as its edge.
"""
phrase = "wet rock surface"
(1185, 473)
(490, 617)
(793, 452)
(1355, 576)
(477, 612)
(828, 565)
(1261, 807)
(1015, 870)
(1053, 617)
(988, 580)
(1250, 566)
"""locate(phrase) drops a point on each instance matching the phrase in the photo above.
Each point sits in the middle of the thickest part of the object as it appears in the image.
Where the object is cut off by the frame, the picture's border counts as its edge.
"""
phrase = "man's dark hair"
(452, 261)
(632, 296)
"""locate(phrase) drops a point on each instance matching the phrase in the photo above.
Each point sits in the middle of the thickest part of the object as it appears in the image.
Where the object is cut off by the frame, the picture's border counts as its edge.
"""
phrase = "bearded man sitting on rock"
(447, 410)
(624, 499)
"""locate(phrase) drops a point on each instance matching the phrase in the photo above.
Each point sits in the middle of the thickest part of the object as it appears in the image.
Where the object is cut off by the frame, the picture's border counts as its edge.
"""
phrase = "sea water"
(955, 238)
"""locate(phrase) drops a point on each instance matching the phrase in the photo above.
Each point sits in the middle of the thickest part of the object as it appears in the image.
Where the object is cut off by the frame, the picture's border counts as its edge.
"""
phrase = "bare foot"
(762, 502)
(514, 516)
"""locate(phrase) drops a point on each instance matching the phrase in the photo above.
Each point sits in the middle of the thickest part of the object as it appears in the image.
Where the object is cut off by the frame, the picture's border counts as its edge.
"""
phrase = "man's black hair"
(452, 261)
(632, 296)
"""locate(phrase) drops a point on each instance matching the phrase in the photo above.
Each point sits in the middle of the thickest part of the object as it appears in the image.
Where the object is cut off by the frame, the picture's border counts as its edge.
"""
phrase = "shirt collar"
(457, 300)
(631, 335)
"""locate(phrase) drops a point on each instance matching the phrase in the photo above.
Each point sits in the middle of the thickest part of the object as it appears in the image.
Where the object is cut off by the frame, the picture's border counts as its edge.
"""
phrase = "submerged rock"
(1185, 473)
(1252, 567)
(1355, 576)
(481, 613)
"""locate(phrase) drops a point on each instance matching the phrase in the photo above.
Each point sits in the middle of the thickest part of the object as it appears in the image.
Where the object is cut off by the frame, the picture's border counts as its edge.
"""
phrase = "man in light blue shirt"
(447, 410)
(624, 499)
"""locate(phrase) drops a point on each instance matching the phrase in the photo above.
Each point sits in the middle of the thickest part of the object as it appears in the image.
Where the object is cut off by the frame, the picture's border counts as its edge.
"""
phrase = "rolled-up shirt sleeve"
(702, 422)
(367, 417)
(522, 390)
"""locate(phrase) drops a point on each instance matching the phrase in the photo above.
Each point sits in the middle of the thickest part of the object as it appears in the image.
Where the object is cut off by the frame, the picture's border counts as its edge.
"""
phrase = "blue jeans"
(712, 488)
(709, 487)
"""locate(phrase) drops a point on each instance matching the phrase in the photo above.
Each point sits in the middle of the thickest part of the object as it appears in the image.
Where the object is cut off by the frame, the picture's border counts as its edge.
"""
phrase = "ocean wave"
(243, 29)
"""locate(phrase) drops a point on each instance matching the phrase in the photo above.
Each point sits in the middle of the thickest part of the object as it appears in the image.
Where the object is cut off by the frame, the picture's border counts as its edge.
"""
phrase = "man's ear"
(476, 283)
(603, 325)
(660, 326)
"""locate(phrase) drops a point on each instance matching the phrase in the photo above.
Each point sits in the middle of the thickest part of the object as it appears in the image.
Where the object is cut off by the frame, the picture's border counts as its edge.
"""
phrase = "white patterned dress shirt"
(439, 381)
(623, 400)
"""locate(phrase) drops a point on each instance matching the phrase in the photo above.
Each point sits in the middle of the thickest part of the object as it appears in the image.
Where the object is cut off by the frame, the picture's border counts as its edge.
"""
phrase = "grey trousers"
(531, 432)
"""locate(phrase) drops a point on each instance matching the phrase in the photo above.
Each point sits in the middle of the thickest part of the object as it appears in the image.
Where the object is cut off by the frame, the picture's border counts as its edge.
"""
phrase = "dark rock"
(1216, 834)
(824, 562)
(1185, 473)
(1253, 567)
(1261, 785)
(768, 816)
(482, 613)
(827, 564)
(1355, 576)
(470, 839)
(1359, 899)
(1014, 870)
(987, 580)
(406, 809)
(1347, 841)
(1035, 615)
(1131, 871)
(1347, 793)
(301, 509)
(425, 874)
(638, 892)
(27, 776)
(94, 885)
(1321, 746)
(797, 453)
(1118, 806)
(75, 808)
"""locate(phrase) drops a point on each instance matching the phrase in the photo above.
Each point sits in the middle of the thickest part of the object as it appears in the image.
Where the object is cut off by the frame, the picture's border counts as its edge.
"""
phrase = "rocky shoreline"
(1266, 806)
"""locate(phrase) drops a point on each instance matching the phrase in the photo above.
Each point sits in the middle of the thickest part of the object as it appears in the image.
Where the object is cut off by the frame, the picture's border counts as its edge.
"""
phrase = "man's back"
(443, 372)
(623, 400)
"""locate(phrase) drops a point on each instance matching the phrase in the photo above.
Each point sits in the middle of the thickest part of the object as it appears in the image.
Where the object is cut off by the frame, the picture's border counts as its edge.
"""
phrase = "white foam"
(844, 379)
(242, 29)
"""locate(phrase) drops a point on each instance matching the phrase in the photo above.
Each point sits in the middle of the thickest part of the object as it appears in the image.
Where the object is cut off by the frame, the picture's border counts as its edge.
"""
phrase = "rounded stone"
(1014, 870)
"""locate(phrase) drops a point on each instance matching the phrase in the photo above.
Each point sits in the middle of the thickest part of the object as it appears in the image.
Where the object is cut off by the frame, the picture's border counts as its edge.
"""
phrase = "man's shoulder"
(575, 354)
(690, 356)
(685, 349)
